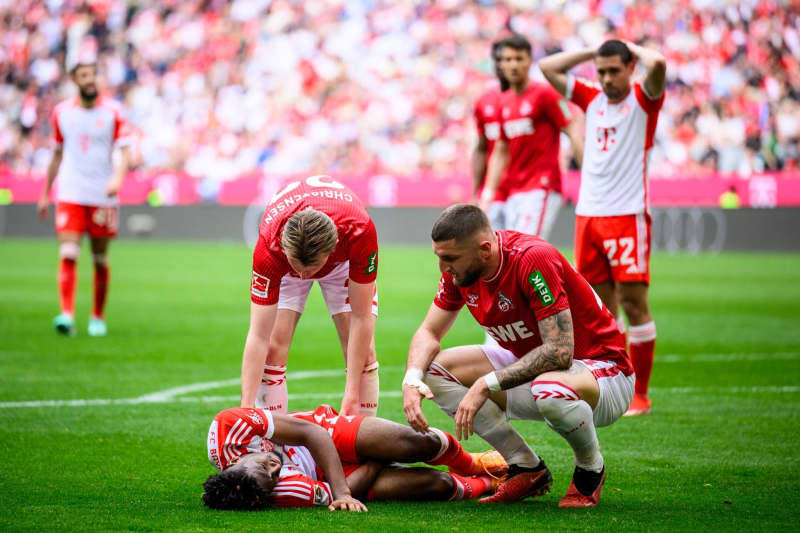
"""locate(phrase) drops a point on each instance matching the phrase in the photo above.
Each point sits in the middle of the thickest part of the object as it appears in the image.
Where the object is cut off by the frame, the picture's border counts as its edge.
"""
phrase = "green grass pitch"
(719, 451)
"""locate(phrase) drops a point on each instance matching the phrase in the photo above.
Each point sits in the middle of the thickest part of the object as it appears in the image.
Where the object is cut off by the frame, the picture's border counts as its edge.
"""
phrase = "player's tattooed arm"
(555, 353)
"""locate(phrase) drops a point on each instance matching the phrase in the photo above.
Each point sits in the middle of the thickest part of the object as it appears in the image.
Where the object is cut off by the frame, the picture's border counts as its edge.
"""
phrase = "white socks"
(369, 390)
(572, 418)
(272, 392)
(490, 421)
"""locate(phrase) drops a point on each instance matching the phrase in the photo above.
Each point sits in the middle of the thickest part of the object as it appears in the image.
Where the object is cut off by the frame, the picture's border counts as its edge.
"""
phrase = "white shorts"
(294, 291)
(616, 389)
(533, 212)
(497, 216)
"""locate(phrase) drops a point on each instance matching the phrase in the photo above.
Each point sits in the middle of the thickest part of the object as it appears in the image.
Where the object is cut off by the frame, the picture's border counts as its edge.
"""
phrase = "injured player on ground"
(320, 458)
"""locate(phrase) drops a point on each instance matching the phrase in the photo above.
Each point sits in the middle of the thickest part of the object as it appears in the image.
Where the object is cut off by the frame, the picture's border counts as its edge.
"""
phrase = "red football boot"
(575, 498)
(521, 483)
(640, 405)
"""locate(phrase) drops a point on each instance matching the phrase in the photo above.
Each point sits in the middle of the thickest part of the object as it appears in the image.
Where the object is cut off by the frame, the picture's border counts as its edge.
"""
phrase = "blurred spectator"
(379, 87)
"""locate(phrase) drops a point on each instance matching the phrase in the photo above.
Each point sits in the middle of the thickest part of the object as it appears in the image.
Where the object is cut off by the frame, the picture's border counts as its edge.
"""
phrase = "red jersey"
(239, 430)
(534, 281)
(487, 120)
(531, 122)
(358, 240)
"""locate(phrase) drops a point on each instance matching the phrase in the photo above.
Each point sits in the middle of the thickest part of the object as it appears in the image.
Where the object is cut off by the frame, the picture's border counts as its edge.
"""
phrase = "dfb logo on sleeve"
(260, 285)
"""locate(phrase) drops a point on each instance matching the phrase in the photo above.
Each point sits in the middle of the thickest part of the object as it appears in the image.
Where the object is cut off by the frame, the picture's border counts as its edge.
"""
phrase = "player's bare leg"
(68, 250)
(386, 441)
(426, 484)
(370, 381)
(567, 399)
(609, 292)
(449, 377)
(273, 393)
(642, 337)
(97, 325)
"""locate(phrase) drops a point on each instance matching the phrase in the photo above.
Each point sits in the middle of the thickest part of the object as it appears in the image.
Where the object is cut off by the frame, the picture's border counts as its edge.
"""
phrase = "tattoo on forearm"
(555, 353)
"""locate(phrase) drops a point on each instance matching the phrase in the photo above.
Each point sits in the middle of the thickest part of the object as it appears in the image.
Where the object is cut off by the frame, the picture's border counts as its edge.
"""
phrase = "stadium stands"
(221, 88)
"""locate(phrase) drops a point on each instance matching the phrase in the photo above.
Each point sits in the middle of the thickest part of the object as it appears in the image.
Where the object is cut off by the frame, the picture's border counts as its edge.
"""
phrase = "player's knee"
(440, 486)
(69, 250)
(100, 259)
(552, 398)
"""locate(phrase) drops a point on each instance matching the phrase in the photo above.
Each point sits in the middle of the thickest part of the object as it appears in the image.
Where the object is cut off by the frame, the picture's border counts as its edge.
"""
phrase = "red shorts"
(613, 248)
(97, 221)
(342, 429)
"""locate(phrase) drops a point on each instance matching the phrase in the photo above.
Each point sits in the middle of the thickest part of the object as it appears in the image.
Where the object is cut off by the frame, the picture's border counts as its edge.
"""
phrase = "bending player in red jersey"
(314, 229)
(524, 167)
(561, 358)
(612, 232)
(321, 458)
(86, 130)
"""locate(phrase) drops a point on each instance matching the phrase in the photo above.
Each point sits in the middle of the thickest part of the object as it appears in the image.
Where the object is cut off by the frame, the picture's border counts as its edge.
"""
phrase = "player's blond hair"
(309, 234)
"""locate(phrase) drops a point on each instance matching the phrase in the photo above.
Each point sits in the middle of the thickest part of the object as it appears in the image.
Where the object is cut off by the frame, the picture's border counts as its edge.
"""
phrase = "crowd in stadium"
(221, 88)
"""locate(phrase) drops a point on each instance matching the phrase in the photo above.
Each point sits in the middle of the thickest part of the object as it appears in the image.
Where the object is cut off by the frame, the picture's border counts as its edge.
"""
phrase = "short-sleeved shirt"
(531, 122)
(534, 281)
(618, 141)
(358, 240)
(487, 121)
(87, 137)
(238, 431)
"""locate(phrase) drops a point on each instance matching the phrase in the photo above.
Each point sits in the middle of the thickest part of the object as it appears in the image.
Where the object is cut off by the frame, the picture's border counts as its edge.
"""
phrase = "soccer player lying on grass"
(319, 458)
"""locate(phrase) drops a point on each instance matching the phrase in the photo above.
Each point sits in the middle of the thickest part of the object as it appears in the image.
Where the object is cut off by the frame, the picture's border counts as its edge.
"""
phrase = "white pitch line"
(231, 399)
(169, 395)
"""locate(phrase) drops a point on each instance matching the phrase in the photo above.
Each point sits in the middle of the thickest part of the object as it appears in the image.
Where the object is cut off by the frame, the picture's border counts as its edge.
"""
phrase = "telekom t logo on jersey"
(605, 136)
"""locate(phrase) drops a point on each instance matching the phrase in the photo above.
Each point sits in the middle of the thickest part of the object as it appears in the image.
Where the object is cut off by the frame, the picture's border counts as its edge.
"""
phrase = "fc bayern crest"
(504, 303)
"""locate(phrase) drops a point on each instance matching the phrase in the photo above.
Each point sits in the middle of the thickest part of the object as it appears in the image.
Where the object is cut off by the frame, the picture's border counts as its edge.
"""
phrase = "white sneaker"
(64, 324)
(97, 327)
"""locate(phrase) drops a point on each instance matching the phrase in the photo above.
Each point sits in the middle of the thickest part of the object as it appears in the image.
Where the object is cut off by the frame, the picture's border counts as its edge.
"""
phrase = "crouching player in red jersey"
(314, 229)
(561, 358)
(321, 458)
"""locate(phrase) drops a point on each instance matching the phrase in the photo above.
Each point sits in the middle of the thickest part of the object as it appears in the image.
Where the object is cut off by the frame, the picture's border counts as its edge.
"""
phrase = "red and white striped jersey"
(88, 137)
(618, 139)
(300, 483)
(237, 431)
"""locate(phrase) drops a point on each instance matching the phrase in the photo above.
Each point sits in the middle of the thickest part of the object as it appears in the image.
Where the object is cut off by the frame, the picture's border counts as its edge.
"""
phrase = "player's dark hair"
(496, 47)
(309, 234)
(615, 47)
(234, 490)
(459, 222)
(516, 42)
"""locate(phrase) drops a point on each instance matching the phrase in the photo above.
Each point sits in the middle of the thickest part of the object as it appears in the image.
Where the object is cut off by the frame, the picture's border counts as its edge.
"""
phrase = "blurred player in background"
(320, 458)
(487, 120)
(524, 166)
(560, 359)
(86, 129)
(315, 229)
(612, 230)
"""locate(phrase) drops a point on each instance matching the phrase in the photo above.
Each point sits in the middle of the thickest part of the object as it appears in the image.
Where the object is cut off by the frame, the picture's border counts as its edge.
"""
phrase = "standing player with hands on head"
(612, 233)
(524, 165)
(86, 129)
(314, 229)
(561, 358)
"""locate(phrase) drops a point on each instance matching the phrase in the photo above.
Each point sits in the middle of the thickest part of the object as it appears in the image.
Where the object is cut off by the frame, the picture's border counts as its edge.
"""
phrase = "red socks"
(642, 347)
(454, 456)
(66, 285)
(101, 275)
(469, 488)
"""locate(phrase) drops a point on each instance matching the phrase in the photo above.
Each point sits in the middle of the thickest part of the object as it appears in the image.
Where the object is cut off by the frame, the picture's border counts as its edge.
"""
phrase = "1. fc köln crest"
(504, 303)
